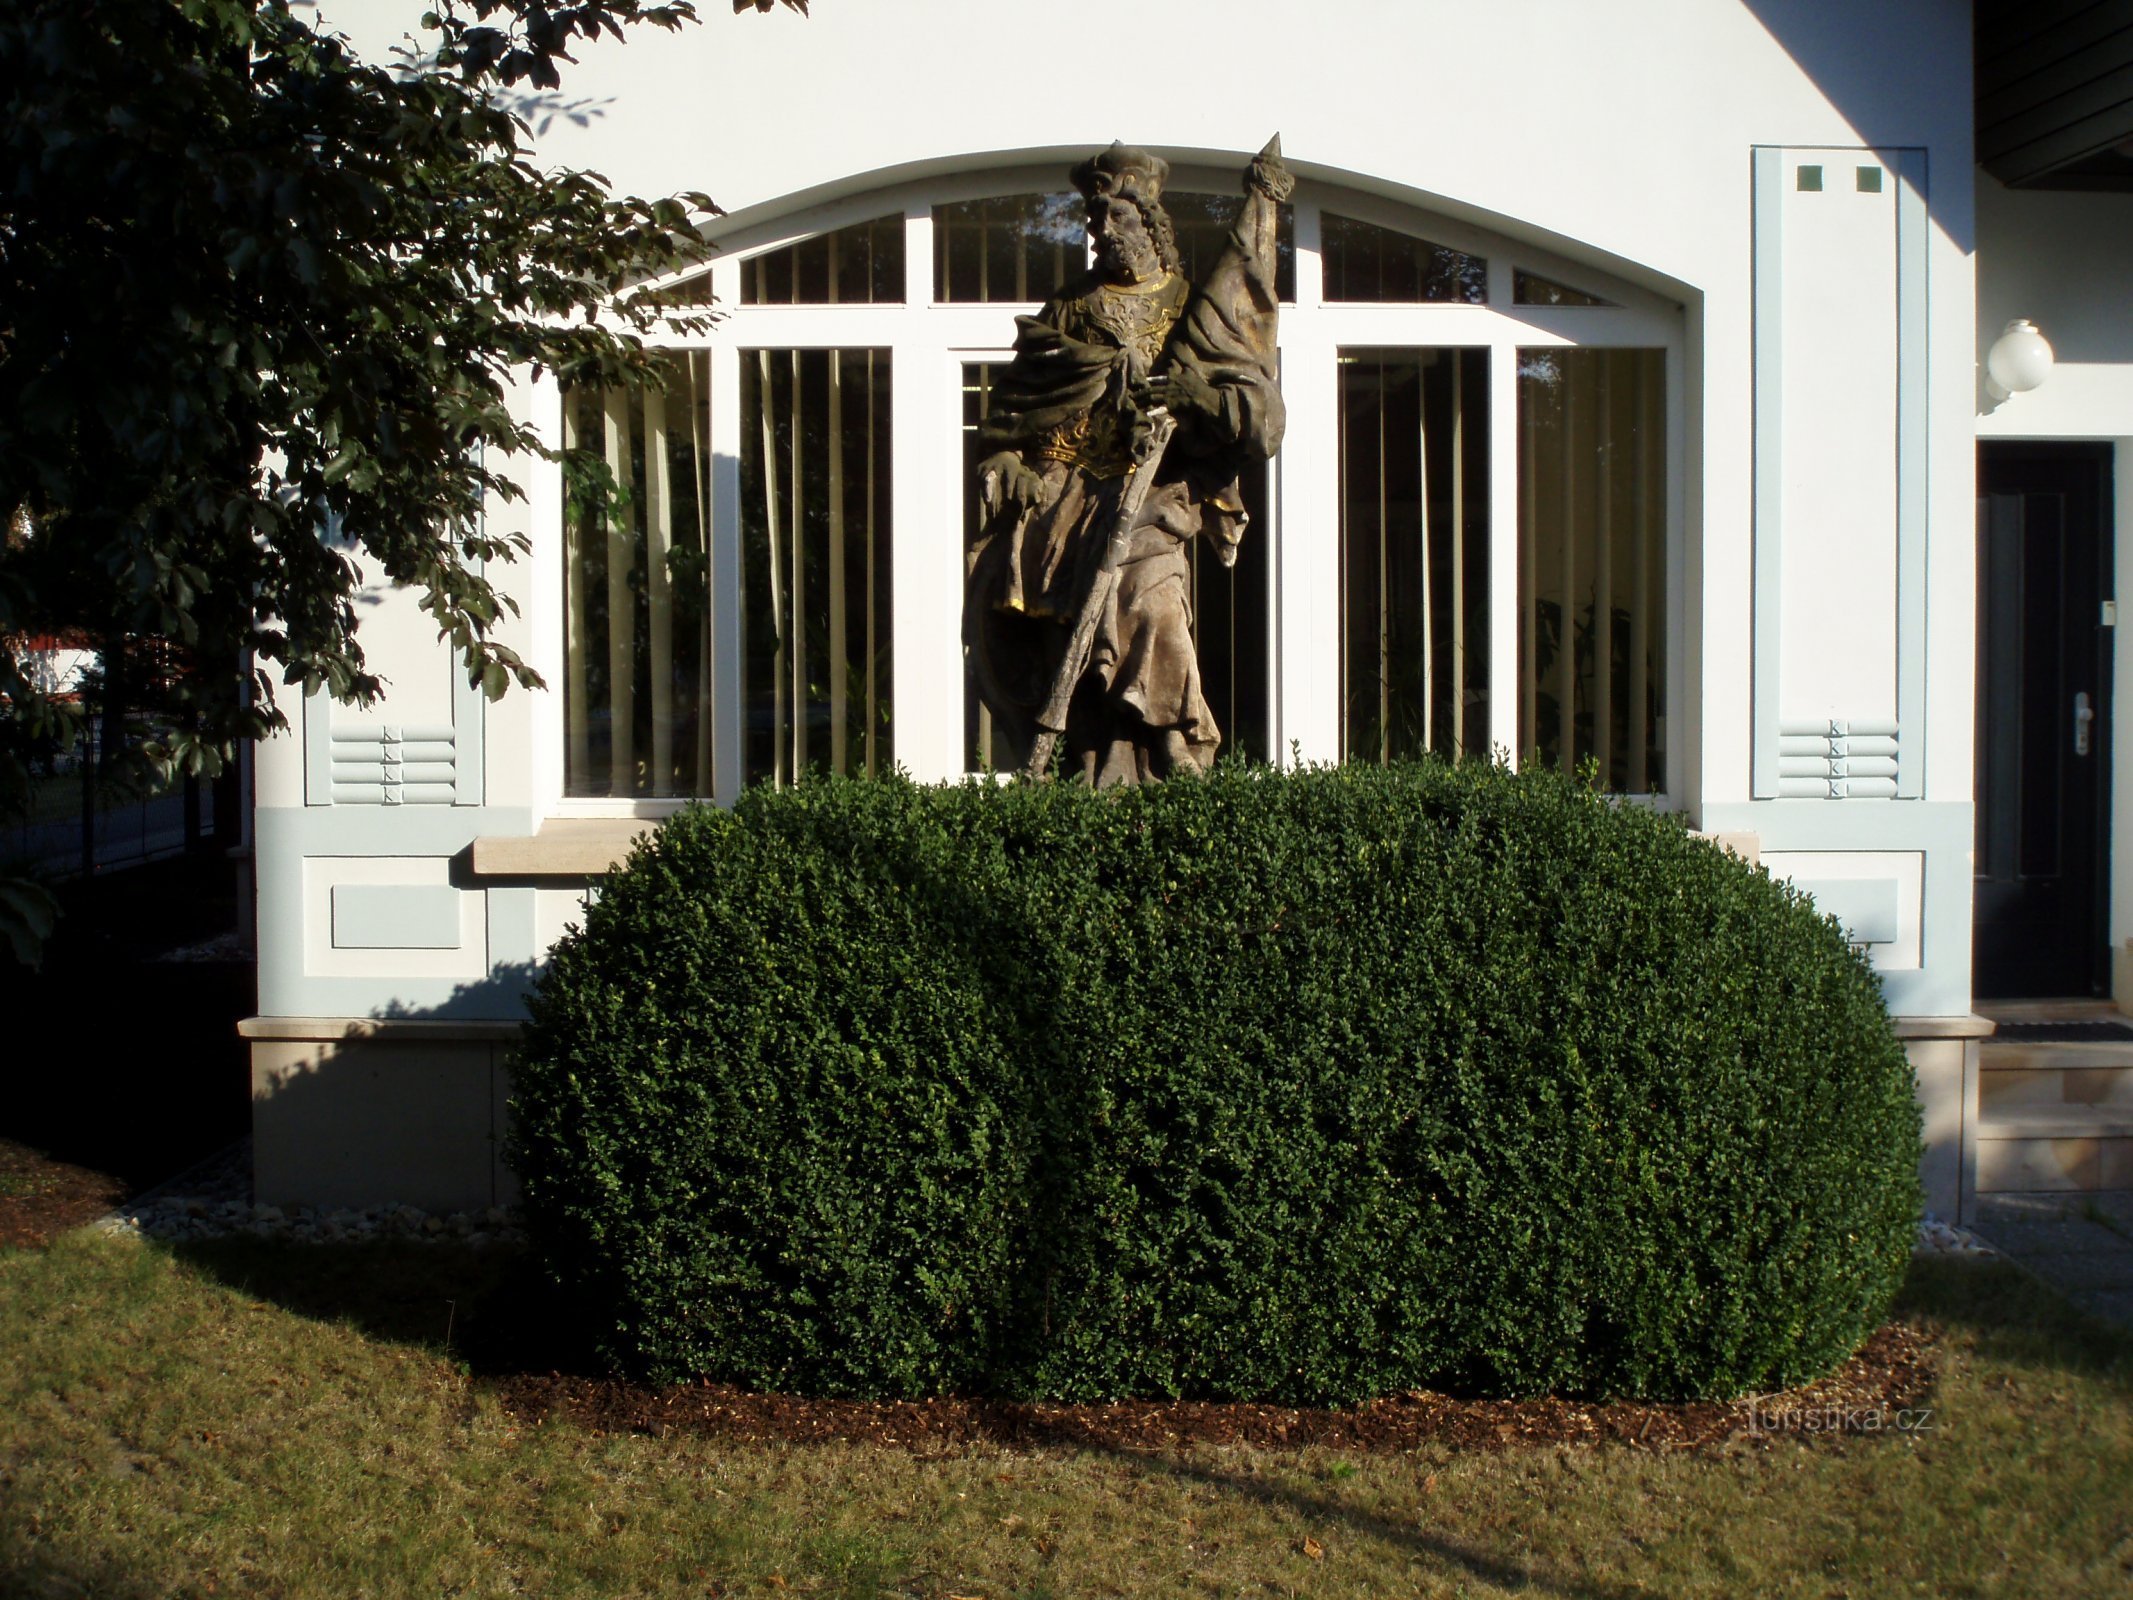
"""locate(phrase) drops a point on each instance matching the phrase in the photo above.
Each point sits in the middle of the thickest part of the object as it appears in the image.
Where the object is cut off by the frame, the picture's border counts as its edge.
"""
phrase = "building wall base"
(362, 1112)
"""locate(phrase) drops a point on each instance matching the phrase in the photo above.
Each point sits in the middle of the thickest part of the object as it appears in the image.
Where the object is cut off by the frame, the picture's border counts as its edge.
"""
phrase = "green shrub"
(1304, 1086)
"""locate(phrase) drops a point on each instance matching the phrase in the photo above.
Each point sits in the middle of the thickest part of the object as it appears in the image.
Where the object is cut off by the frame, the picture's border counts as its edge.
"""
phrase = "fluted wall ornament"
(1134, 402)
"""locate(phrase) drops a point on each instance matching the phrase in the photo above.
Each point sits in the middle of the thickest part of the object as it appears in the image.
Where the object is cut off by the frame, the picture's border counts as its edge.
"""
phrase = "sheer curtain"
(637, 700)
(1414, 516)
(1592, 551)
(817, 662)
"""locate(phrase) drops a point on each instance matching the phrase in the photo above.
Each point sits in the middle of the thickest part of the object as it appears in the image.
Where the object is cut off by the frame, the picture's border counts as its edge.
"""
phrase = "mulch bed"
(41, 1198)
(1892, 1375)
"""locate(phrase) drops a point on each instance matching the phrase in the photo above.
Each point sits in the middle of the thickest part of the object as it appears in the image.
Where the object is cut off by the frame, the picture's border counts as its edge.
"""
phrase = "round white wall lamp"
(2019, 360)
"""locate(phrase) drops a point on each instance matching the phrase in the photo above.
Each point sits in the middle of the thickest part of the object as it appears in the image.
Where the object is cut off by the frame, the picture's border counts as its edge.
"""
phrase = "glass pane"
(1414, 530)
(1203, 222)
(1531, 289)
(1368, 263)
(861, 264)
(815, 560)
(1013, 247)
(2046, 697)
(694, 290)
(1592, 561)
(1230, 618)
(636, 693)
(981, 753)
(1231, 622)
(1020, 247)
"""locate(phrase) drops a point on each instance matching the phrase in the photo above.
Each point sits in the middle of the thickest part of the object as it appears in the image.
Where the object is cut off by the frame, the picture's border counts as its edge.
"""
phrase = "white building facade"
(1632, 362)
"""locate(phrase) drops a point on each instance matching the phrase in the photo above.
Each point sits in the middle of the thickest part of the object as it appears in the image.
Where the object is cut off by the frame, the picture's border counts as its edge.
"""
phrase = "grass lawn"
(247, 1423)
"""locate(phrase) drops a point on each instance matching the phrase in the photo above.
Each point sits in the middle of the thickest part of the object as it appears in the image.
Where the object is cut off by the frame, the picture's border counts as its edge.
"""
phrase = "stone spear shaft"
(1081, 643)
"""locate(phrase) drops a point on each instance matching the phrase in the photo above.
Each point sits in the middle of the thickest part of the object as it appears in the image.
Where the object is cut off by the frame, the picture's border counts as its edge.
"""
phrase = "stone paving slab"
(2115, 1207)
(2096, 1270)
(2051, 1238)
(2080, 1244)
(2014, 1209)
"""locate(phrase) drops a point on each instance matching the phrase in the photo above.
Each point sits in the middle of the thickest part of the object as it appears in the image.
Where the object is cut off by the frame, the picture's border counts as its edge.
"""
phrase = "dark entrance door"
(2043, 719)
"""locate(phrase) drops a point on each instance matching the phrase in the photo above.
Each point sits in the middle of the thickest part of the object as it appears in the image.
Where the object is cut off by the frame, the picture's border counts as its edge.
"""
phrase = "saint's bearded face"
(1125, 250)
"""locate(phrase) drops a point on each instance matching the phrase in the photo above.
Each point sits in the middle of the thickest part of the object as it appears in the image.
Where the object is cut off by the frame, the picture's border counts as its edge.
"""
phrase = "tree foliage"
(259, 301)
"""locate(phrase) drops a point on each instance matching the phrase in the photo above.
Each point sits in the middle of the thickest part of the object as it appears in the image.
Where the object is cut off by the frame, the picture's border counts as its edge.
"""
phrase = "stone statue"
(1134, 401)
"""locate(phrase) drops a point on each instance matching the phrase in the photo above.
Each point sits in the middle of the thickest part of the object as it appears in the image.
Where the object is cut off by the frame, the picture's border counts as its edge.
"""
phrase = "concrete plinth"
(356, 1112)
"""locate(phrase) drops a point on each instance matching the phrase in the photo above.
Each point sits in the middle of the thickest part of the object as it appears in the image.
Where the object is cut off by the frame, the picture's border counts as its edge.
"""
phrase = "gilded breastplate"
(1138, 319)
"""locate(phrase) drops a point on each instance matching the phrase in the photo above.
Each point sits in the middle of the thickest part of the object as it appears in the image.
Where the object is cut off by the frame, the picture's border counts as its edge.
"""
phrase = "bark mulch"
(41, 1198)
(1883, 1388)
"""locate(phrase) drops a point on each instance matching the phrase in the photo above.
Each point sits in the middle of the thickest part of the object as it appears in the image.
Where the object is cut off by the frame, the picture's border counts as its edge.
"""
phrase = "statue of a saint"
(1134, 401)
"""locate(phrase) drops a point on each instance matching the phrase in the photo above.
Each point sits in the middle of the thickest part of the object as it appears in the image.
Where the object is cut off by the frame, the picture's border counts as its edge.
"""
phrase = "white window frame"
(929, 343)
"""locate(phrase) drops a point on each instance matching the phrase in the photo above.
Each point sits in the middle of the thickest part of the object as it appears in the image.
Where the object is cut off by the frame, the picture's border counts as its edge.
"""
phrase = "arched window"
(1470, 541)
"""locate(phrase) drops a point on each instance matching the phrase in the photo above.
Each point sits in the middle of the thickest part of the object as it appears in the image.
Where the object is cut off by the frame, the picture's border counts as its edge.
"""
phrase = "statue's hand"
(1004, 480)
(1181, 390)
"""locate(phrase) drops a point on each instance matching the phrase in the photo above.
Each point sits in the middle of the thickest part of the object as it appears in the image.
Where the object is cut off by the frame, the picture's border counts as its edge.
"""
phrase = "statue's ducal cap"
(1122, 169)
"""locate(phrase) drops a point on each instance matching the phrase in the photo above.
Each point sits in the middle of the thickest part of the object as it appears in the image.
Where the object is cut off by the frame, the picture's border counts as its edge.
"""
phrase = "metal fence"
(79, 820)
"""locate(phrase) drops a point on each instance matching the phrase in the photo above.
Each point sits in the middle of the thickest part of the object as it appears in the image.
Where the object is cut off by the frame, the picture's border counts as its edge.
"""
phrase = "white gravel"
(1938, 1238)
(214, 1201)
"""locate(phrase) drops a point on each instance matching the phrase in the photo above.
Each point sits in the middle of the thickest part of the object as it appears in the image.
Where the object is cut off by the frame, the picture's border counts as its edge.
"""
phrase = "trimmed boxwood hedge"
(1305, 1086)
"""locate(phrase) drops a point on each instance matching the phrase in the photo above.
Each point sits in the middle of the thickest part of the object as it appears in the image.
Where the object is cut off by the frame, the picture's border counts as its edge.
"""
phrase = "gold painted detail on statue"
(1095, 442)
(1139, 316)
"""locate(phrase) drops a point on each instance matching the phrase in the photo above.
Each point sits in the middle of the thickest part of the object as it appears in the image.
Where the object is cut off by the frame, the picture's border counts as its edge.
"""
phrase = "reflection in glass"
(1231, 624)
(1203, 223)
(1592, 561)
(694, 290)
(1020, 247)
(816, 659)
(1012, 247)
(1230, 618)
(1414, 553)
(862, 264)
(636, 693)
(1531, 289)
(1368, 263)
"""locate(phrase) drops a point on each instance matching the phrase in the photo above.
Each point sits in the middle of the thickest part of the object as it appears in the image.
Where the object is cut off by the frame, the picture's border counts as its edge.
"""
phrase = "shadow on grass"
(1450, 1557)
(40, 1572)
(2013, 1318)
(491, 1309)
(162, 1080)
(487, 1308)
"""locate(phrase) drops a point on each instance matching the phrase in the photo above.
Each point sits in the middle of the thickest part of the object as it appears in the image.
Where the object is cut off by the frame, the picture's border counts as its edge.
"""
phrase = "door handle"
(2083, 716)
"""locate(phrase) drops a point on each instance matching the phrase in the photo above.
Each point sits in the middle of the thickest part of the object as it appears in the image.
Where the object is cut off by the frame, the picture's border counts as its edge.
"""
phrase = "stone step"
(2078, 1122)
(2060, 1152)
(2033, 1083)
(2054, 1117)
(2014, 1054)
(2068, 1010)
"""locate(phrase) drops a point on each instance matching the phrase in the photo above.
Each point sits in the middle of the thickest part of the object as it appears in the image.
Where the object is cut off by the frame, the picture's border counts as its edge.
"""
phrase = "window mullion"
(1310, 258)
(918, 253)
(1506, 688)
(726, 596)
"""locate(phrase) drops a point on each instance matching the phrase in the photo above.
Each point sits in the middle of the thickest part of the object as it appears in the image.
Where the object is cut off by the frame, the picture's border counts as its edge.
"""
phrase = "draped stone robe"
(1065, 407)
